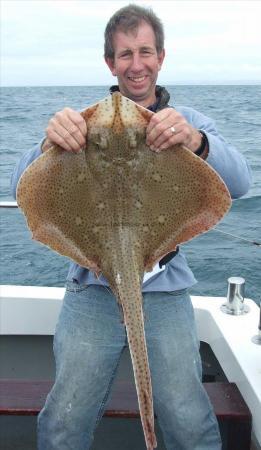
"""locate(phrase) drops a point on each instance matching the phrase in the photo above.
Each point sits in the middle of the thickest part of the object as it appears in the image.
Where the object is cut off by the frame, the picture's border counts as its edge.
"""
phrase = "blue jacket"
(223, 157)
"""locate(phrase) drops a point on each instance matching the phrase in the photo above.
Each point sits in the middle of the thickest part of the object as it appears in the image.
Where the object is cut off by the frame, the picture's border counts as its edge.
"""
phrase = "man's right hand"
(68, 129)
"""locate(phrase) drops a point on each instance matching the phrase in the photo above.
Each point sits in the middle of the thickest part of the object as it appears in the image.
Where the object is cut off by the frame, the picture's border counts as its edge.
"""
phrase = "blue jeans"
(89, 339)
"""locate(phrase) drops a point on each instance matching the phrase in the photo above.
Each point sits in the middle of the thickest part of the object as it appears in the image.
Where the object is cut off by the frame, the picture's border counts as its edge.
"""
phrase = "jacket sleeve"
(228, 162)
(22, 164)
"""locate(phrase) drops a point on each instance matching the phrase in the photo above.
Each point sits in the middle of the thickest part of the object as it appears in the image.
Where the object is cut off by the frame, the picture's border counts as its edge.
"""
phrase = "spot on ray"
(161, 219)
(81, 177)
(156, 177)
(78, 220)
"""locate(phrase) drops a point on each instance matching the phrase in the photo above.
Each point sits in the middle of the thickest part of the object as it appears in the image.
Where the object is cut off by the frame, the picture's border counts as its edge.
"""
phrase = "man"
(90, 335)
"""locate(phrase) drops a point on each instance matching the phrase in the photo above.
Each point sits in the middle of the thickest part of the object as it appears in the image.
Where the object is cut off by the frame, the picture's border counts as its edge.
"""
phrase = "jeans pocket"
(179, 293)
(74, 286)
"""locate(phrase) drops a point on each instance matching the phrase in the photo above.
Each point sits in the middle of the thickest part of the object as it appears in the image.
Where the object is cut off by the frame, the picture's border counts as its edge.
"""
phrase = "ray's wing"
(54, 195)
(181, 197)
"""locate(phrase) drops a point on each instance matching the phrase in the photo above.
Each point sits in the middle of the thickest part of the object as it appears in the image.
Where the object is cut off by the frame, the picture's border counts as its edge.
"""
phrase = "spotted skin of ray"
(117, 208)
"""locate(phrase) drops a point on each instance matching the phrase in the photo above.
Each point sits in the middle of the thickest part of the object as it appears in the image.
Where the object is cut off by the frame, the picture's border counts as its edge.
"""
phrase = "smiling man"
(90, 335)
(135, 61)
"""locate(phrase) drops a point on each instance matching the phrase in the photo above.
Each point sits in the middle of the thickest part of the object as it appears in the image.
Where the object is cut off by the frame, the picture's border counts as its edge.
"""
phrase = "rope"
(258, 244)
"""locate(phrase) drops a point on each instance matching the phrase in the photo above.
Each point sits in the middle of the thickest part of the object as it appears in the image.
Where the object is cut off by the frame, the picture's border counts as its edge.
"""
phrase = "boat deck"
(33, 311)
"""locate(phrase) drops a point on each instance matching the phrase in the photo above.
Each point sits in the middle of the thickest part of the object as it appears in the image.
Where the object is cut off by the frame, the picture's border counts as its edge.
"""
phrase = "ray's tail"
(126, 285)
(134, 322)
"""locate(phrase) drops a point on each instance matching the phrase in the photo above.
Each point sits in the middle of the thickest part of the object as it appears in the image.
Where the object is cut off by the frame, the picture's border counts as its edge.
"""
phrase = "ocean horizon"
(178, 83)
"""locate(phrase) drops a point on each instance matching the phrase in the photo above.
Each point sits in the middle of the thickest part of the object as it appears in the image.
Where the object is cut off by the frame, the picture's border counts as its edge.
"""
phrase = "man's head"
(134, 51)
(127, 20)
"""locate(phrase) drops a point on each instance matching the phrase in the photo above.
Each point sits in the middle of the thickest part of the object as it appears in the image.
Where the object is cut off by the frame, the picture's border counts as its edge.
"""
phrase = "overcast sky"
(60, 42)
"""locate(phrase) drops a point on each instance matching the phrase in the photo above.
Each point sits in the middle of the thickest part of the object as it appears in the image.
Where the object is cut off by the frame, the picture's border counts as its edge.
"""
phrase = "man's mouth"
(137, 79)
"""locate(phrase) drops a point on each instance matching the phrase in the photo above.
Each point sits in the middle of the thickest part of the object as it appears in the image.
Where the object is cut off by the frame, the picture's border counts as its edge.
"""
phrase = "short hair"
(129, 18)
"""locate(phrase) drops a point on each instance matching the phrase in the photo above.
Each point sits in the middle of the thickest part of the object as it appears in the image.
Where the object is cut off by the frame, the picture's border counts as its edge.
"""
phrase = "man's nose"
(137, 64)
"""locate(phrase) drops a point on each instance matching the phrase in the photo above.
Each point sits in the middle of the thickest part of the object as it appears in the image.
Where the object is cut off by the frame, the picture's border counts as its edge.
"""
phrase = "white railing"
(8, 205)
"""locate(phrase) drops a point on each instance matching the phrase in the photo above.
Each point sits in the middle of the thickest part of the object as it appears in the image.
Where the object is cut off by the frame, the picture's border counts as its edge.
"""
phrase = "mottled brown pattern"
(117, 208)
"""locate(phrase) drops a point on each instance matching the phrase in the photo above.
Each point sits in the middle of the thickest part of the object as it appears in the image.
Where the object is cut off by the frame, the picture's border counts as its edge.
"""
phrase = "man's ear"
(161, 57)
(110, 64)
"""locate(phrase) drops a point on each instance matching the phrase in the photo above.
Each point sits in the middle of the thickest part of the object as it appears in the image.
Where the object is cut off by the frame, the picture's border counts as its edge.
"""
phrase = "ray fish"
(117, 208)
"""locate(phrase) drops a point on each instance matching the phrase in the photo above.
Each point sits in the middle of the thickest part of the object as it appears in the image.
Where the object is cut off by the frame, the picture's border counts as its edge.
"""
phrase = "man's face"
(136, 64)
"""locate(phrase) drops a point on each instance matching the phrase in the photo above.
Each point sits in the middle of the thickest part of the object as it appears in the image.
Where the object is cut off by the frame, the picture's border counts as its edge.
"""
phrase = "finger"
(67, 124)
(155, 133)
(78, 120)
(169, 137)
(171, 142)
(61, 137)
(74, 134)
(158, 117)
(58, 140)
(160, 124)
(63, 127)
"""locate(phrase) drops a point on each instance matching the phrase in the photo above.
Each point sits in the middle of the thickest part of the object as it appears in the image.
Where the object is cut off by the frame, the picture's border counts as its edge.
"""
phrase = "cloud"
(61, 41)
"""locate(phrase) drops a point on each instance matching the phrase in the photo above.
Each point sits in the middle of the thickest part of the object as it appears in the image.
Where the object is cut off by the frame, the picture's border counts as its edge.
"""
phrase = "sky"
(60, 42)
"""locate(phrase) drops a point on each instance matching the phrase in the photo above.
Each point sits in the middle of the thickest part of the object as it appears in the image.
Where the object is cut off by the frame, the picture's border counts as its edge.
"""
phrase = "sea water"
(213, 257)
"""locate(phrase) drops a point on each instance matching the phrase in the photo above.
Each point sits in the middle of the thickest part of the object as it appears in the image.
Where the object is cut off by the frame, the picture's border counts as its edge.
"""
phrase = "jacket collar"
(162, 97)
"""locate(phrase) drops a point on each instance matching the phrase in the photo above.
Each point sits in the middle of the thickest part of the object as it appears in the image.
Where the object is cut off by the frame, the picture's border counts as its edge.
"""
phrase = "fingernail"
(155, 149)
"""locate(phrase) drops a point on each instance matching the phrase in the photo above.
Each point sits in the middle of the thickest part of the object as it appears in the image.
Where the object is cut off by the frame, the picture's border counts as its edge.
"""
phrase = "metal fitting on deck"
(235, 297)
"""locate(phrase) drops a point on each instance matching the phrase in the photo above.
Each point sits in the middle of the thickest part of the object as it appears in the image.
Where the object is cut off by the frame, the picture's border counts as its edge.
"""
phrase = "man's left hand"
(167, 128)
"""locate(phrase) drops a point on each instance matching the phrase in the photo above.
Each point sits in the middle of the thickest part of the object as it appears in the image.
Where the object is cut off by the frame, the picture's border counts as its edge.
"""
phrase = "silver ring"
(172, 129)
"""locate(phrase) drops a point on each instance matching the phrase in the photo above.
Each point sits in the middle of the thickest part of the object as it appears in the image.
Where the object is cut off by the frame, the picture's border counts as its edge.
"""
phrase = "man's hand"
(167, 128)
(67, 129)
